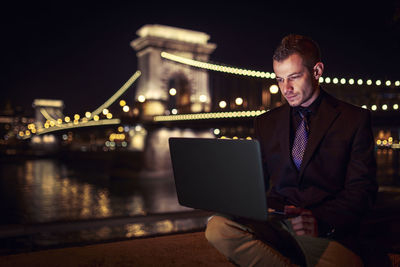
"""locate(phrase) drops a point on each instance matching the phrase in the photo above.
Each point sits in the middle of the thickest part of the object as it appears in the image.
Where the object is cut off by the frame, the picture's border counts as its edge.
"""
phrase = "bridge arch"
(159, 75)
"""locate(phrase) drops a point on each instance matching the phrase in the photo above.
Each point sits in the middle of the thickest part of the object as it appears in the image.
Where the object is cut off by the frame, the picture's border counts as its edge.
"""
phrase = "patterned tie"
(300, 139)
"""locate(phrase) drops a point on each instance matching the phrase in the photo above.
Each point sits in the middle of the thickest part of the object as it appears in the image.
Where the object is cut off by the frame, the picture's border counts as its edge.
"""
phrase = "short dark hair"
(307, 48)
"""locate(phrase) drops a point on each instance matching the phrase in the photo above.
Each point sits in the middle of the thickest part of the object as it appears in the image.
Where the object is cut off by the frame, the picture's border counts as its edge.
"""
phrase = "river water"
(47, 190)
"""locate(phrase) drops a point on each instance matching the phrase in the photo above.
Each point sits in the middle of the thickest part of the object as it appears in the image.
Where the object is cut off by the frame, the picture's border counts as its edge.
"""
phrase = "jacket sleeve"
(345, 209)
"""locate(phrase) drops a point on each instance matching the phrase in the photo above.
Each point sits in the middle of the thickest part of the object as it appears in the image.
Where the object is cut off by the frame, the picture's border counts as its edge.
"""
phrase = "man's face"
(295, 81)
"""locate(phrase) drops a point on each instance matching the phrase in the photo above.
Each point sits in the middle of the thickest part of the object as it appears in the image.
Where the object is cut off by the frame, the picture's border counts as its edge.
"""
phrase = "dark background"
(80, 52)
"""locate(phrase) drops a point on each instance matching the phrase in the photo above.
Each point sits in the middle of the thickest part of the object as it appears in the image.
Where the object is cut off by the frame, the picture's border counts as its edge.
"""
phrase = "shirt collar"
(312, 109)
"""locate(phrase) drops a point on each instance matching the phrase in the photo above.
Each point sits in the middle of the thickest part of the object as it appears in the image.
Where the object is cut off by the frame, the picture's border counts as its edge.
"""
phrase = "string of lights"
(211, 115)
(70, 125)
(268, 75)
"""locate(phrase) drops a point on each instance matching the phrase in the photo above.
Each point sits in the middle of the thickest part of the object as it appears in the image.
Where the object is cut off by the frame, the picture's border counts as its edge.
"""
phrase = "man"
(318, 157)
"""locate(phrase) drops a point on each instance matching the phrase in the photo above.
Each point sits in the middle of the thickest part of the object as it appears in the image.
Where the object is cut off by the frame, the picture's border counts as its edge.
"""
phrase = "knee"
(214, 229)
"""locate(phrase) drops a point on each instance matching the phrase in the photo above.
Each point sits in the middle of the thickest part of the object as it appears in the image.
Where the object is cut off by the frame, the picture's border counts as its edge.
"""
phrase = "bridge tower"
(190, 86)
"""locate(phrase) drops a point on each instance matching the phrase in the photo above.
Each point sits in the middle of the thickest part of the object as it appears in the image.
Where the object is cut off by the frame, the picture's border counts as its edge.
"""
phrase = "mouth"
(290, 98)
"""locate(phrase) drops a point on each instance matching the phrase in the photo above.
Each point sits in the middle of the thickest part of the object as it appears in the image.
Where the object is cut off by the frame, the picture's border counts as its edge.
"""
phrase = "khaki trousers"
(277, 246)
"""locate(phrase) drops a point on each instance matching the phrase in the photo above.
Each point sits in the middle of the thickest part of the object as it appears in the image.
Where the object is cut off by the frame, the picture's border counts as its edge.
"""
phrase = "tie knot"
(303, 112)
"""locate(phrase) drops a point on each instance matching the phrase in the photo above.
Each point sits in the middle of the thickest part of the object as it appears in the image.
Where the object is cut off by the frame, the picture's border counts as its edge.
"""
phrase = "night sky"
(81, 53)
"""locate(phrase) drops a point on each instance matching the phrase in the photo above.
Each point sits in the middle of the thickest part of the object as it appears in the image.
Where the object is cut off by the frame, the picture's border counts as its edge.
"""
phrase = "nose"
(286, 87)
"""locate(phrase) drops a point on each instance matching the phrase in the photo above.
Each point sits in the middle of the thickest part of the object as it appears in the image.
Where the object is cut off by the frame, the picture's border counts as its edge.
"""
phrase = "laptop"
(220, 175)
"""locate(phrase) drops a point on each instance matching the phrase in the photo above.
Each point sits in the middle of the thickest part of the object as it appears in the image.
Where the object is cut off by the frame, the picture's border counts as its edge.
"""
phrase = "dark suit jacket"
(337, 179)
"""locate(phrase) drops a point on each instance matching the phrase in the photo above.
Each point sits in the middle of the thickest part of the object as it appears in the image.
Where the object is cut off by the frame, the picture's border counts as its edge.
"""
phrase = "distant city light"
(141, 98)
(203, 98)
(239, 101)
(172, 91)
(222, 104)
(122, 102)
(274, 89)
(125, 108)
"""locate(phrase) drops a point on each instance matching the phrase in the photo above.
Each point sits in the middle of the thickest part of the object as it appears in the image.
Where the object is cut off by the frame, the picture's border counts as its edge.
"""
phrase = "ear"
(318, 70)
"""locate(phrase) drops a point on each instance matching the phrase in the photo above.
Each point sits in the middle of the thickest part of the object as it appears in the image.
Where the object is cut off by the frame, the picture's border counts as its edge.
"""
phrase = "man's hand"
(305, 223)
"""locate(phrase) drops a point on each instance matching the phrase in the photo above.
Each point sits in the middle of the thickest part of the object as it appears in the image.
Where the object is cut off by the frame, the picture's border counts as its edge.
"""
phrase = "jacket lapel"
(326, 115)
(285, 131)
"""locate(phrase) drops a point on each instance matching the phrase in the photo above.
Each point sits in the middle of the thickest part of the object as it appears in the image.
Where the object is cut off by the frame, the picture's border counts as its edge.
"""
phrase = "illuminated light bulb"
(172, 91)
(384, 107)
(268, 75)
(105, 111)
(274, 89)
(67, 119)
(174, 111)
(33, 130)
(77, 117)
(122, 102)
(351, 81)
(378, 142)
(395, 106)
(390, 139)
(46, 125)
(109, 116)
(125, 108)
(21, 133)
(397, 83)
(364, 106)
(222, 104)
(327, 80)
(378, 82)
(273, 76)
(203, 98)
(141, 98)
(59, 121)
(359, 82)
(52, 123)
(369, 82)
(239, 101)
(374, 107)
(96, 117)
(217, 131)
(248, 138)
(388, 83)
(27, 132)
(335, 80)
(343, 81)
(76, 122)
(321, 80)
